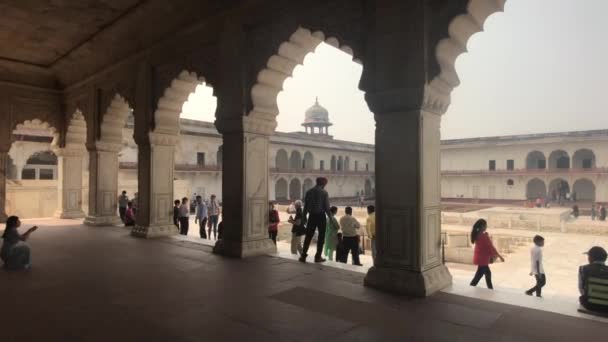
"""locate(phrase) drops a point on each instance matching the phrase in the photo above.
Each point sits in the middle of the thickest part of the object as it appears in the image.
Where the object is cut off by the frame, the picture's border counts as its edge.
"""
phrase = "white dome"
(317, 115)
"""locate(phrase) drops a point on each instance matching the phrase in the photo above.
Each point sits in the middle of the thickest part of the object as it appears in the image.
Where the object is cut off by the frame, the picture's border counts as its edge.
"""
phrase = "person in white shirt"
(350, 234)
(536, 267)
(201, 216)
(184, 217)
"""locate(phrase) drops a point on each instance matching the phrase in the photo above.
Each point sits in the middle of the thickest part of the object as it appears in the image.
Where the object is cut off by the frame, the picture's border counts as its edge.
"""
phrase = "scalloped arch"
(460, 30)
(76, 133)
(37, 124)
(114, 119)
(281, 66)
(170, 104)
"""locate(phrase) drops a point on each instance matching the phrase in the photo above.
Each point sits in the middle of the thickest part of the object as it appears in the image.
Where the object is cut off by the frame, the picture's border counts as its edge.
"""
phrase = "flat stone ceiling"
(42, 32)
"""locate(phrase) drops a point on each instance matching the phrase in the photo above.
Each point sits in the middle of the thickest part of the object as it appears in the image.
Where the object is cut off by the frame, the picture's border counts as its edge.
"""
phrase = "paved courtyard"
(100, 284)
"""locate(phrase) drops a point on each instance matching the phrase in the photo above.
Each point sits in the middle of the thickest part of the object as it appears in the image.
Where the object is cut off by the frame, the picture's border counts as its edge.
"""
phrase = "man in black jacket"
(316, 206)
(594, 274)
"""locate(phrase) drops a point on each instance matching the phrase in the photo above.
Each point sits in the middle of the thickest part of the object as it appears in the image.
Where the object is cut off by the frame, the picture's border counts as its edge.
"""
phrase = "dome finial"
(316, 100)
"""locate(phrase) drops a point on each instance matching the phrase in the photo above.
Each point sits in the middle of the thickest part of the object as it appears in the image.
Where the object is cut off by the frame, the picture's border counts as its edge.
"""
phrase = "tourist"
(484, 253)
(316, 206)
(214, 213)
(331, 234)
(370, 228)
(602, 211)
(184, 217)
(297, 229)
(130, 215)
(594, 273)
(539, 202)
(176, 205)
(350, 234)
(593, 212)
(273, 223)
(220, 228)
(15, 253)
(123, 200)
(575, 211)
(201, 216)
(341, 251)
(537, 269)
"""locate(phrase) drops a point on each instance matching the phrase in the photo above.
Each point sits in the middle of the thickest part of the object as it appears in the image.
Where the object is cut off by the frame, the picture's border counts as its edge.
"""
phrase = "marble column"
(3, 171)
(245, 187)
(408, 204)
(69, 180)
(103, 185)
(155, 182)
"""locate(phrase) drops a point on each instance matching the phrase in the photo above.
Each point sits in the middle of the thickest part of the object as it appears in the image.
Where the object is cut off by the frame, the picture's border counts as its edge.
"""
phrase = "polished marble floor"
(99, 284)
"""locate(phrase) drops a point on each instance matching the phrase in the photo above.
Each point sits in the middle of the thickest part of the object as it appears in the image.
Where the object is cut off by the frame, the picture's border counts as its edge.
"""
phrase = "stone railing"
(215, 168)
(322, 172)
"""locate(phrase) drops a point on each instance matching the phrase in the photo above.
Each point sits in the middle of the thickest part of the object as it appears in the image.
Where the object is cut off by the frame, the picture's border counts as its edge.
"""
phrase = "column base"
(244, 249)
(70, 215)
(100, 221)
(154, 231)
(410, 283)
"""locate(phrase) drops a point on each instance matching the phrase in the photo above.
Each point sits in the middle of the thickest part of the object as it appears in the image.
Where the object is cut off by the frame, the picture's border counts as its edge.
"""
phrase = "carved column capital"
(163, 139)
(104, 146)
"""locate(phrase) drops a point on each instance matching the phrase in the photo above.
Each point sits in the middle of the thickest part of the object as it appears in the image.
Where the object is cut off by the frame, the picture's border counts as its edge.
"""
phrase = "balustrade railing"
(548, 171)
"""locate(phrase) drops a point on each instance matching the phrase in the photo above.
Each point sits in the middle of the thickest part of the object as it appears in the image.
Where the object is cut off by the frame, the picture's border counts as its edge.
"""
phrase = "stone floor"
(99, 284)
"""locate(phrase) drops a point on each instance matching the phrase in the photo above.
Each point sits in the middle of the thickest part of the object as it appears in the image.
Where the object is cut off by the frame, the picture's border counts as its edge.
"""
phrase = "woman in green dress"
(331, 234)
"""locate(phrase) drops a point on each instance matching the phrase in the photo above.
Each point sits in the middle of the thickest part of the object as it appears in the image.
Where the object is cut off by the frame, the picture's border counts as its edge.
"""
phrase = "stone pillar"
(3, 170)
(245, 187)
(408, 202)
(155, 187)
(69, 180)
(103, 185)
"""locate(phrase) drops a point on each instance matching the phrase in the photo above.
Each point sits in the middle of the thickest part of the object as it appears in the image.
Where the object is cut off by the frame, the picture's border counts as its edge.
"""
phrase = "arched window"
(41, 165)
(536, 160)
(220, 156)
(559, 160)
(583, 159)
(280, 190)
(295, 189)
(295, 161)
(281, 160)
(536, 188)
(309, 162)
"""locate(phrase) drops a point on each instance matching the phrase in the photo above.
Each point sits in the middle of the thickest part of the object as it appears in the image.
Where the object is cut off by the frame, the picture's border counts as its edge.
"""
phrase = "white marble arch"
(103, 178)
(461, 28)
(155, 217)
(70, 168)
(281, 66)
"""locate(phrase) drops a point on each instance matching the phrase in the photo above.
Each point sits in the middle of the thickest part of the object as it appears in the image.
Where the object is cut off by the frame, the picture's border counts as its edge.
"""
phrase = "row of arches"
(582, 189)
(295, 161)
(295, 189)
(560, 159)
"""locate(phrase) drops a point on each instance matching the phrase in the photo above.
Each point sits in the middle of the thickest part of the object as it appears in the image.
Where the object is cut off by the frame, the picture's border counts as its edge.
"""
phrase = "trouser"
(373, 243)
(202, 223)
(351, 243)
(541, 280)
(315, 221)
(296, 244)
(213, 226)
(483, 271)
(184, 223)
(122, 212)
(273, 236)
(592, 306)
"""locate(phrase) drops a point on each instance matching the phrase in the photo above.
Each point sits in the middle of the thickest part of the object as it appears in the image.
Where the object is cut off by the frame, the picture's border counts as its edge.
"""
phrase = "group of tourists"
(592, 278)
(336, 238)
(207, 214)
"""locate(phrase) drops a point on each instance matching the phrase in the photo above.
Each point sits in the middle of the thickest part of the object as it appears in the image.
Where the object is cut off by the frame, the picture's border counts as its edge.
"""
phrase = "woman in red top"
(485, 253)
(273, 223)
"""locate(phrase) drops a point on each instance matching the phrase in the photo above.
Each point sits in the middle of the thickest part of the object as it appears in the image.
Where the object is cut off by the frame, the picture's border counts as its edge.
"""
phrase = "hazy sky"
(537, 67)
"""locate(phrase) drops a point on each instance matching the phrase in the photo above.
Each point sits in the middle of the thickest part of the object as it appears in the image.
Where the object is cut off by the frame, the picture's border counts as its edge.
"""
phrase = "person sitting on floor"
(593, 281)
(130, 215)
(15, 253)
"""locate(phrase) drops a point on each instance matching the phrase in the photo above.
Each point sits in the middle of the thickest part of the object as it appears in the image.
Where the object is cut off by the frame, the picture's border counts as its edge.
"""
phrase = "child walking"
(537, 270)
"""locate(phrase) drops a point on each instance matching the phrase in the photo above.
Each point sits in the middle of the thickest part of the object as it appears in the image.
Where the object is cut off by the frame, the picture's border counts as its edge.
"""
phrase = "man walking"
(201, 216)
(350, 231)
(184, 217)
(123, 201)
(316, 206)
(214, 213)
